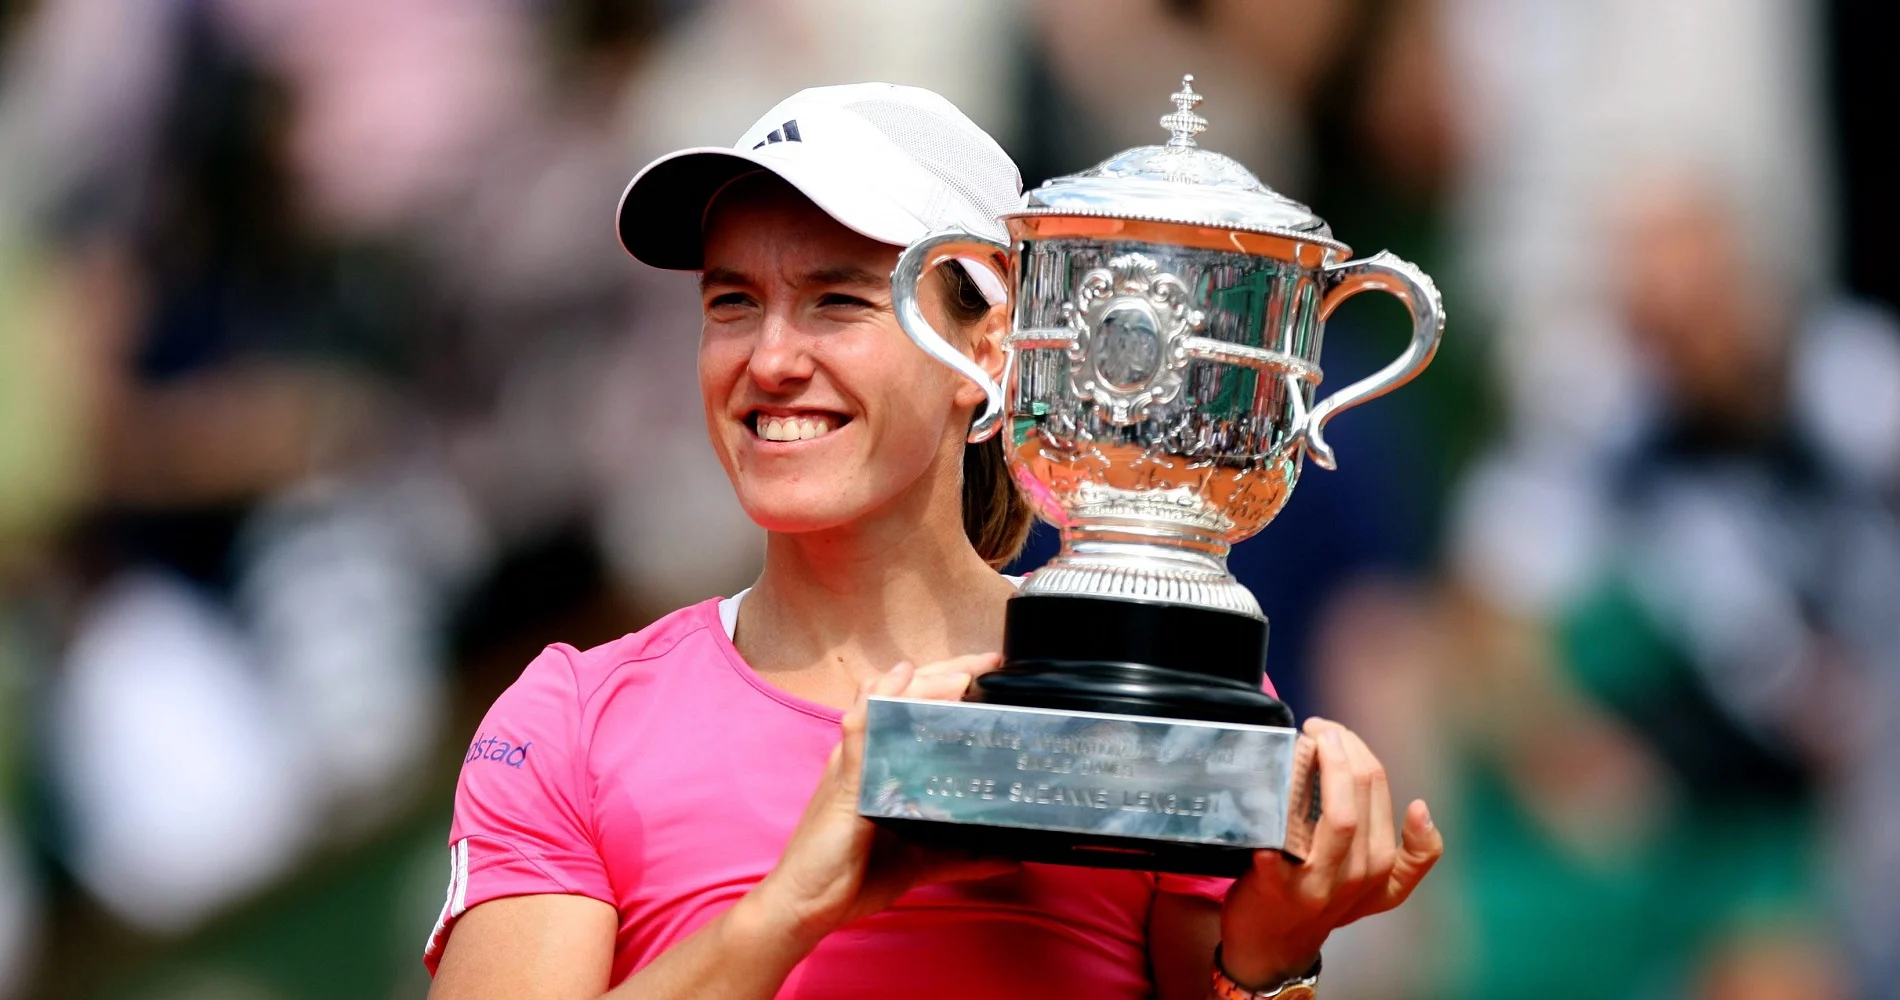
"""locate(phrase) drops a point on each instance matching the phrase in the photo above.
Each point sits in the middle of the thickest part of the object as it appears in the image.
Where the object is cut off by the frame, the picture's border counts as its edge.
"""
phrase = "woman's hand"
(838, 866)
(1279, 913)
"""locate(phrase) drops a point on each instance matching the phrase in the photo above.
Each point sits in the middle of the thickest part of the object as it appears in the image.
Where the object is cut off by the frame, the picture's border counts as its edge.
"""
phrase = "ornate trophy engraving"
(1157, 403)
(1130, 325)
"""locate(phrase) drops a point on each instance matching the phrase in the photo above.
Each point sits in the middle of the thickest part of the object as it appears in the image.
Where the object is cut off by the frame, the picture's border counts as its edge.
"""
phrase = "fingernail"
(1332, 737)
(1426, 808)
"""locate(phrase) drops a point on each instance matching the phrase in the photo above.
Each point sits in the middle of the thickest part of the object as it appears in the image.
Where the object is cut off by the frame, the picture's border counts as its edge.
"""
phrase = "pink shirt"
(662, 775)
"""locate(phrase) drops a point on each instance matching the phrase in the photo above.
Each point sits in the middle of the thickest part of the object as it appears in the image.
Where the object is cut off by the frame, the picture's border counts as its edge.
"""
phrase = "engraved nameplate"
(1082, 772)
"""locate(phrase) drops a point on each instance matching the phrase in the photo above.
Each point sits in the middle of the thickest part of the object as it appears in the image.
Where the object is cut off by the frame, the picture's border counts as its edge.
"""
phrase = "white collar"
(729, 607)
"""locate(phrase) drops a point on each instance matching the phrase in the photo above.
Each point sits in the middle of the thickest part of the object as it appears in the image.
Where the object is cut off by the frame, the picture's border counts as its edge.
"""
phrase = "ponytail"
(997, 515)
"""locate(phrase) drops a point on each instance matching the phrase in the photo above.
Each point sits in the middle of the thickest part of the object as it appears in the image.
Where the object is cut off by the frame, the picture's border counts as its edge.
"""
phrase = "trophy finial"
(1184, 123)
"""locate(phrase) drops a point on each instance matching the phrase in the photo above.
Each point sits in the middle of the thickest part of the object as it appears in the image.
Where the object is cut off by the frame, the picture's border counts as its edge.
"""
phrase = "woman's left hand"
(1279, 913)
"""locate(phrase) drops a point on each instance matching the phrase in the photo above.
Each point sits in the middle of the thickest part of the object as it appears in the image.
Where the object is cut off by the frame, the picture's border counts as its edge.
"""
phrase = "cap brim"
(662, 213)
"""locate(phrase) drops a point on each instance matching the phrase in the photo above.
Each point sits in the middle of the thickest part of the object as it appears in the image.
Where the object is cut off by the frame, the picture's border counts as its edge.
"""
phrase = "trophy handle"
(1380, 272)
(919, 259)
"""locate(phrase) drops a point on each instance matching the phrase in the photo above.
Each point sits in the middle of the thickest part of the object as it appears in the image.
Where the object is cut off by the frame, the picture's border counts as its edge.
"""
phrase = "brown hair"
(997, 515)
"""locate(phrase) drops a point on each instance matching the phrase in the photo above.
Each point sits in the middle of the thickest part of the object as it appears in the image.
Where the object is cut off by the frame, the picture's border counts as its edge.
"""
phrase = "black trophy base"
(1088, 850)
(1124, 657)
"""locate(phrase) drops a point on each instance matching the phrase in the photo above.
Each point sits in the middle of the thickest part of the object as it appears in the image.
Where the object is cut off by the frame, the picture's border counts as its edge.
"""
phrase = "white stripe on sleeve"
(457, 900)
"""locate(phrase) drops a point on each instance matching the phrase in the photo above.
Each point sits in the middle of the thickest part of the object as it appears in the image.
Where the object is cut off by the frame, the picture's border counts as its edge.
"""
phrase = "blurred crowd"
(327, 397)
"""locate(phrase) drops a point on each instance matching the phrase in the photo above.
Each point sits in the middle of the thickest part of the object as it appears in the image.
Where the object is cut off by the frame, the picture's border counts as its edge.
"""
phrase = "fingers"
(1380, 840)
(1356, 864)
(949, 680)
(905, 679)
(939, 687)
(971, 664)
(895, 680)
(1363, 765)
(1339, 808)
(1420, 849)
(1355, 847)
(848, 756)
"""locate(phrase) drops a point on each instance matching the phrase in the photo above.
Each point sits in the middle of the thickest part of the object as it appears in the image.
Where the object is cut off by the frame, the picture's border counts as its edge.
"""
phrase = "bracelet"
(1300, 987)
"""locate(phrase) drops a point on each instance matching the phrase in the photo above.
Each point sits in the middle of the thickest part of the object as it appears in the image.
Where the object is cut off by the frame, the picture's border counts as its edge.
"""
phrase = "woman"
(675, 814)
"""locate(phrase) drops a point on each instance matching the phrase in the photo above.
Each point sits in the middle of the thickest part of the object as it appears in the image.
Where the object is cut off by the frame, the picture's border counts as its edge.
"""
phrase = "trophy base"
(1119, 656)
(1060, 847)
(1087, 788)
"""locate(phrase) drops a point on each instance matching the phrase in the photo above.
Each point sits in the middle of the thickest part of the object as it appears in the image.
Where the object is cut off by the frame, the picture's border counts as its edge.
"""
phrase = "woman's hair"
(997, 515)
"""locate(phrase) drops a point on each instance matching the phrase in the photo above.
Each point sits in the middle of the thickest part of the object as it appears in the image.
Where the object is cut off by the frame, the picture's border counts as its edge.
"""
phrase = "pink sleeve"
(522, 806)
(1207, 886)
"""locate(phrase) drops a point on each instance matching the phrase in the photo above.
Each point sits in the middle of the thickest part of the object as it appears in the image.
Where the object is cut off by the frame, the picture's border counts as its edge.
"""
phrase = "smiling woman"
(816, 406)
(685, 824)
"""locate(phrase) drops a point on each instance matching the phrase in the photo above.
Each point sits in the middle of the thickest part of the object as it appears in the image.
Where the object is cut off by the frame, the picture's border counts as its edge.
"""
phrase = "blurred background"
(327, 398)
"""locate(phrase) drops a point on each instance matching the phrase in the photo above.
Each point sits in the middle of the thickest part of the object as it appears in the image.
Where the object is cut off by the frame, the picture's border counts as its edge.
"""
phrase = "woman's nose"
(781, 355)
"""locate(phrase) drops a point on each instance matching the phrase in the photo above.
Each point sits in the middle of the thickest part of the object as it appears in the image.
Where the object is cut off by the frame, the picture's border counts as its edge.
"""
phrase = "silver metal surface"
(1184, 123)
(1078, 772)
(1131, 322)
(1180, 182)
(1159, 393)
(919, 259)
(1381, 272)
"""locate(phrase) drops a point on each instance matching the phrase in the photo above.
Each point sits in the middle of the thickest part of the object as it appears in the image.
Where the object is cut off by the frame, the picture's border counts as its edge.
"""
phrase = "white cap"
(894, 163)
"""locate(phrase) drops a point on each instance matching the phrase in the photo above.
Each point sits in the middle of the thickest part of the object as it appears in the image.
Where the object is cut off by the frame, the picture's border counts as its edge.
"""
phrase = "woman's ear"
(987, 348)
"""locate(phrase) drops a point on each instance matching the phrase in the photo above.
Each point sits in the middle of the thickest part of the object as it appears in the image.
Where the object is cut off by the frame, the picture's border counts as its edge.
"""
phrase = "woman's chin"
(796, 511)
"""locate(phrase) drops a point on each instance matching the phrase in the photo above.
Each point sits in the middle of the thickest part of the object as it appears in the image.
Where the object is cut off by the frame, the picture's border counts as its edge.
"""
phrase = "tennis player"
(674, 814)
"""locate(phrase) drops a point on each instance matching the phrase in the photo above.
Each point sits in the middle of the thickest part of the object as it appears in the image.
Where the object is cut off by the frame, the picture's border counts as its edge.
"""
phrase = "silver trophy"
(1157, 404)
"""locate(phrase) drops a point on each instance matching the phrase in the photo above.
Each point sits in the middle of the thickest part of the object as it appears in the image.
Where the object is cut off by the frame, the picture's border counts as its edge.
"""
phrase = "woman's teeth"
(795, 428)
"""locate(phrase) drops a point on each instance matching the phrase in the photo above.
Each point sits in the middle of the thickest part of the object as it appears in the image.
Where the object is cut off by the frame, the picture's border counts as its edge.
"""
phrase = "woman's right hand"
(839, 866)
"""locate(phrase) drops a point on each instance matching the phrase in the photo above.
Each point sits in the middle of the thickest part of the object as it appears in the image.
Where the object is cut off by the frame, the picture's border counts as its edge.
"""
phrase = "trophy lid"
(1179, 182)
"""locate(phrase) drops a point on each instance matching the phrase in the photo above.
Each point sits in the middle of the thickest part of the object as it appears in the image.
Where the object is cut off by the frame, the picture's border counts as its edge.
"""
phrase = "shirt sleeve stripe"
(454, 905)
(459, 880)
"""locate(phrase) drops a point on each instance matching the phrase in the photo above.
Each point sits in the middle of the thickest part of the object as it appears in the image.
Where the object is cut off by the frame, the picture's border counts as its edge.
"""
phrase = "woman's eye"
(841, 299)
(727, 300)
